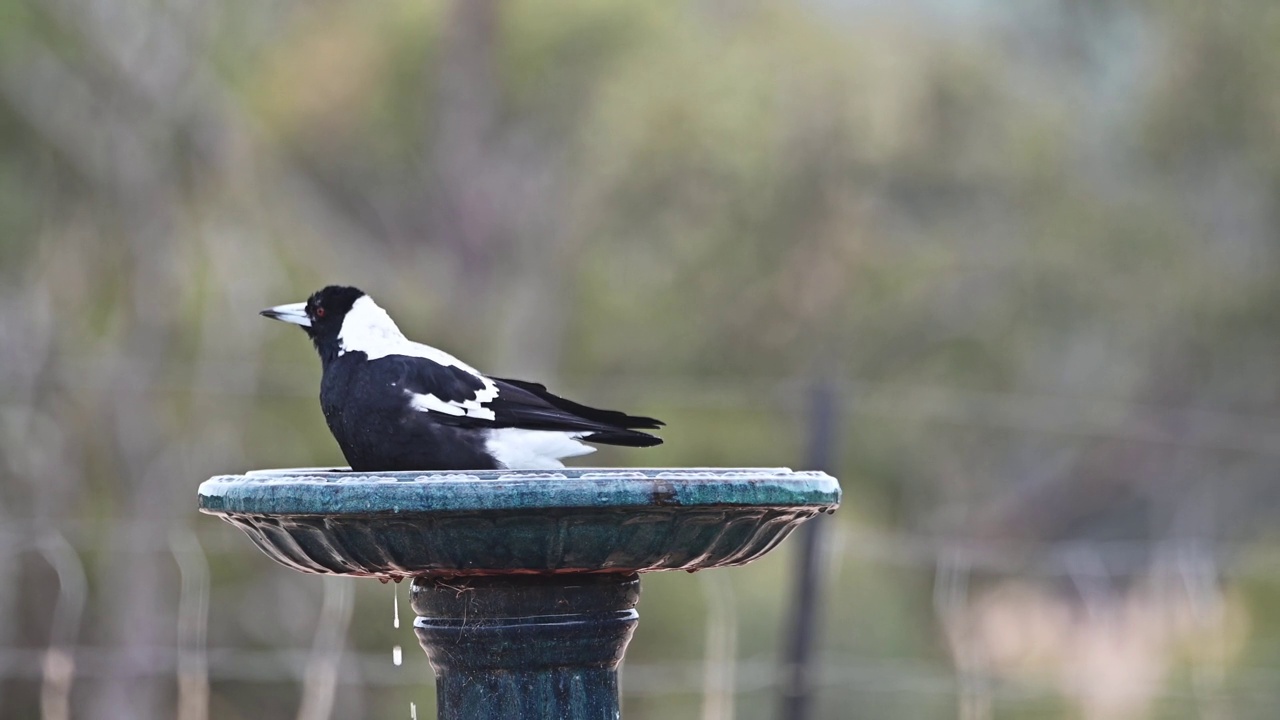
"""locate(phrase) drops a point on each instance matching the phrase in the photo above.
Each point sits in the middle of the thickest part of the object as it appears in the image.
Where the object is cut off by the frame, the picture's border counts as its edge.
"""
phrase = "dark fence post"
(797, 676)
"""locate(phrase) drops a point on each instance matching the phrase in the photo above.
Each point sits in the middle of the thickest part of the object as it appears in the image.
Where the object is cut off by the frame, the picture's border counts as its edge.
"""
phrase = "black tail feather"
(613, 418)
(628, 438)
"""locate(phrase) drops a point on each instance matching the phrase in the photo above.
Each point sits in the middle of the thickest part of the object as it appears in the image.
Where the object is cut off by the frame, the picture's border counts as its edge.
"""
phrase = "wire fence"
(1192, 572)
(1187, 572)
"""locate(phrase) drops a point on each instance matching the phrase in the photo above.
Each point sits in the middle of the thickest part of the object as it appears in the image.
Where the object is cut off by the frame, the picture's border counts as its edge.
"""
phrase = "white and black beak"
(295, 313)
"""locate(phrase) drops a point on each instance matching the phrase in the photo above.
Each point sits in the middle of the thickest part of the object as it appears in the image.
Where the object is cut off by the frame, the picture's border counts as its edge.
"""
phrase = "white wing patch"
(367, 328)
(426, 402)
(520, 449)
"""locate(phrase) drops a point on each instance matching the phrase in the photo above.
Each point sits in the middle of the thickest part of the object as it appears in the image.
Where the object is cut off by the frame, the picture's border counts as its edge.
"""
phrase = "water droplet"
(413, 712)
(397, 656)
(395, 593)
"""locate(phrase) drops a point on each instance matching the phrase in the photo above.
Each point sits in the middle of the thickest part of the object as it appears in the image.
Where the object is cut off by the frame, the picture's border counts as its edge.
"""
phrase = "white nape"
(367, 328)
(520, 449)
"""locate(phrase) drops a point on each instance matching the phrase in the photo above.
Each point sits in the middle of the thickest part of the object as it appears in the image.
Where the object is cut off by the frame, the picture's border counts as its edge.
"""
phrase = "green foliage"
(1035, 247)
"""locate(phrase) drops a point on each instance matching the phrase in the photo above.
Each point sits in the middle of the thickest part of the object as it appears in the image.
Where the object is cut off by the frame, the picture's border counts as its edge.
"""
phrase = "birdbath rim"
(495, 522)
(337, 491)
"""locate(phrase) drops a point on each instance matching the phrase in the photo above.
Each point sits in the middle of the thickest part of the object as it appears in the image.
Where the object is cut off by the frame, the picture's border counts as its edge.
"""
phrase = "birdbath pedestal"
(524, 583)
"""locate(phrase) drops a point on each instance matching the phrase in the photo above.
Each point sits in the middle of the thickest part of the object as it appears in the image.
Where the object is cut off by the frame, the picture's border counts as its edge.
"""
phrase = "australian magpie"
(394, 404)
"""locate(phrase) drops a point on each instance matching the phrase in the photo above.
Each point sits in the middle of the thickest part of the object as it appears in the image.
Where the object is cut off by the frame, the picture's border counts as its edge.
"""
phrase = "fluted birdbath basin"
(524, 583)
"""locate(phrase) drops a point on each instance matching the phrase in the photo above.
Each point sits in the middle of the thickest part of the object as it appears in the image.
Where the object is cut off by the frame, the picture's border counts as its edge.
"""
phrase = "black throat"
(327, 346)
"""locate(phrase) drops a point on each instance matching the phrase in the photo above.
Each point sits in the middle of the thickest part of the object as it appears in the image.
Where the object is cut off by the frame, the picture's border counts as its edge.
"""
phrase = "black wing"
(529, 405)
(461, 398)
(450, 383)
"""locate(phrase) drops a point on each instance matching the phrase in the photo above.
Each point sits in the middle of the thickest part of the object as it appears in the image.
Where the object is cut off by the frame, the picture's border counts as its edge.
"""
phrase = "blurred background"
(1014, 264)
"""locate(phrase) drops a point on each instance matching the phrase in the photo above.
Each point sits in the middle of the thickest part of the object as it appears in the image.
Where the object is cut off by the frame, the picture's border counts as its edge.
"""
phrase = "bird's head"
(322, 316)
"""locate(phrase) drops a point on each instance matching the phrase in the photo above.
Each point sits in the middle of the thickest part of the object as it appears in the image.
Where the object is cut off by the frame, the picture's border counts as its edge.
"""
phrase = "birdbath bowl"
(524, 583)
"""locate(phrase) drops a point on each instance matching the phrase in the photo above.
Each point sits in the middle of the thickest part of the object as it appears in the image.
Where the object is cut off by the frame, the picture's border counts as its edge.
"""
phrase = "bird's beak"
(295, 313)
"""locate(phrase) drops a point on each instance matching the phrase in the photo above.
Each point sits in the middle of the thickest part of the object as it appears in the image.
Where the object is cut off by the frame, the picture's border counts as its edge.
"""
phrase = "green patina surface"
(499, 522)
(316, 492)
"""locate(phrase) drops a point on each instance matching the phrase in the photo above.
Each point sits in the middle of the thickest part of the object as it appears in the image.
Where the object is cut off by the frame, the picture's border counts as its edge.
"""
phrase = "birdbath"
(524, 583)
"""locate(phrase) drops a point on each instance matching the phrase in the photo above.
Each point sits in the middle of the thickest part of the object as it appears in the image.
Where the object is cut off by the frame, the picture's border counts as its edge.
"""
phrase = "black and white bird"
(394, 404)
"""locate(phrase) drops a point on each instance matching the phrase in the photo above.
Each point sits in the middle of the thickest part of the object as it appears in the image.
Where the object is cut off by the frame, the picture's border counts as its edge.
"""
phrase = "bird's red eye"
(319, 312)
